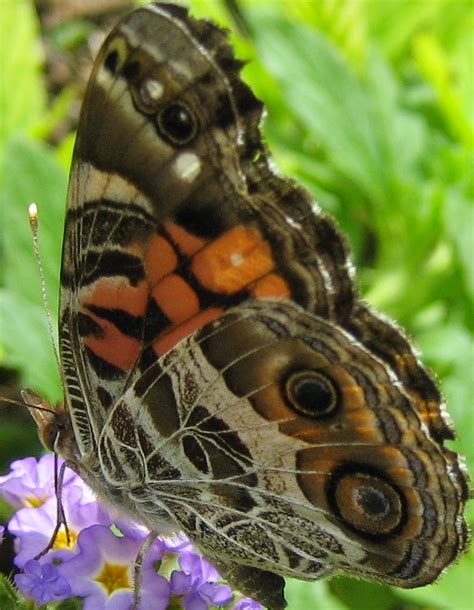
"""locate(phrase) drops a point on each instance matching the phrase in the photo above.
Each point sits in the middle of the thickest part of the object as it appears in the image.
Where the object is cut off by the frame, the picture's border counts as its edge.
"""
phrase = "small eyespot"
(177, 124)
(115, 56)
(111, 61)
(311, 393)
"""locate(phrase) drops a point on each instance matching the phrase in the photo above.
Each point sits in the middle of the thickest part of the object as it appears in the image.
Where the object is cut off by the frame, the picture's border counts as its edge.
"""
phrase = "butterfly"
(222, 375)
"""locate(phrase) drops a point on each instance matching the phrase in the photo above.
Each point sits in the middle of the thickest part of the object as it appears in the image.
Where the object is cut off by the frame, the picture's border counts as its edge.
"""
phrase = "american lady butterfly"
(222, 374)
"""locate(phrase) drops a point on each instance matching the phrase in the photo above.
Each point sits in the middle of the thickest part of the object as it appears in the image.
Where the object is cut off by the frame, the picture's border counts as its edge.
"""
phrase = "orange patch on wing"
(233, 260)
(160, 259)
(176, 299)
(114, 293)
(272, 285)
(113, 346)
(187, 243)
(171, 338)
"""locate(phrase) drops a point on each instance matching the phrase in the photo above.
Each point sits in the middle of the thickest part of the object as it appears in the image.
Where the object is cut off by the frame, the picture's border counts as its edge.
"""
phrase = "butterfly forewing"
(173, 214)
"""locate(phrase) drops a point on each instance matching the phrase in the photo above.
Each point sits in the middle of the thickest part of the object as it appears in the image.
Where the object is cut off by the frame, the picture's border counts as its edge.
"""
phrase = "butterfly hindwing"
(288, 446)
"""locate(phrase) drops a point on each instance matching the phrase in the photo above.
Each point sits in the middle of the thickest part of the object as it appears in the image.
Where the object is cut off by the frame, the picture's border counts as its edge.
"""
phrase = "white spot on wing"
(187, 166)
(236, 259)
(151, 91)
(293, 223)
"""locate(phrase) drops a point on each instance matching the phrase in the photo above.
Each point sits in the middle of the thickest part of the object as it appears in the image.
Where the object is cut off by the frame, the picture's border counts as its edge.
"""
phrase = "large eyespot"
(366, 502)
(177, 124)
(311, 393)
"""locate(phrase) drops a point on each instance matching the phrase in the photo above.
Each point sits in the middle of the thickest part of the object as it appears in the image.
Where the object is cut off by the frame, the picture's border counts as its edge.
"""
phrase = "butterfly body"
(222, 375)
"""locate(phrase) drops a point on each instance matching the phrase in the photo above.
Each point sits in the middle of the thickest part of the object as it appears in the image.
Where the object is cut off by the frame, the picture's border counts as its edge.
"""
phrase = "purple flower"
(2, 531)
(33, 527)
(247, 604)
(97, 563)
(179, 543)
(102, 572)
(131, 529)
(155, 590)
(30, 483)
(196, 583)
(42, 582)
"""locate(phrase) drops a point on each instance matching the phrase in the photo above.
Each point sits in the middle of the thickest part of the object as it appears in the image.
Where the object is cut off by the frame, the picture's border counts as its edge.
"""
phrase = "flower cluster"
(94, 559)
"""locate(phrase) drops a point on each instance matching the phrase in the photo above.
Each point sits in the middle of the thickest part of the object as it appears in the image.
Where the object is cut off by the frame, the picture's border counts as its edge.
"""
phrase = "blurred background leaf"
(369, 105)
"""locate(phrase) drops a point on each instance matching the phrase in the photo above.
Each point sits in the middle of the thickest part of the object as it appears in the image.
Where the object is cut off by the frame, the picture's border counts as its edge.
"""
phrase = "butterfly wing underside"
(222, 374)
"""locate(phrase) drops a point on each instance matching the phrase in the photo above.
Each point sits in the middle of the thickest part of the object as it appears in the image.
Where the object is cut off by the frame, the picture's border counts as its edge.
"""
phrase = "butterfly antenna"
(34, 224)
(30, 401)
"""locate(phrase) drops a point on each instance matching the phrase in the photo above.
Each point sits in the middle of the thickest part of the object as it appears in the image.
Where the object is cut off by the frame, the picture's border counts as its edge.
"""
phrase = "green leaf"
(357, 594)
(75, 603)
(444, 344)
(435, 66)
(339, 20)
(34, 175)
(22, 94)
(316, 595)
(392, 24)
(9, 596)
(460, 225)
(401, 134)
(324, 93)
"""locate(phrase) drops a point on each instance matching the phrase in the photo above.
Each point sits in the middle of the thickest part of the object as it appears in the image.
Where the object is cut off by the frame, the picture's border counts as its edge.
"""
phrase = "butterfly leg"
(60, 516)
(149, 540)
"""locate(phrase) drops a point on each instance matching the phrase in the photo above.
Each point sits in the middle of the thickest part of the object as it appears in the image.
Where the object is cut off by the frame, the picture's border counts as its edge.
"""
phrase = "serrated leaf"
(9, 596)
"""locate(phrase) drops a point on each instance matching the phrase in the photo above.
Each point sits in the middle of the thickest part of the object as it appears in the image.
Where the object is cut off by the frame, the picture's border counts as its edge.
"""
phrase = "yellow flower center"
(60, 542)
(113, 577)
(35, 501)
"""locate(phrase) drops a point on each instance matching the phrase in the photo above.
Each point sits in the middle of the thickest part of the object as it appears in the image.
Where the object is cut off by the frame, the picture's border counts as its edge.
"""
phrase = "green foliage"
(34, 175)
(9, 596)
(369, 107)
(22, 93)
